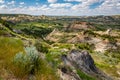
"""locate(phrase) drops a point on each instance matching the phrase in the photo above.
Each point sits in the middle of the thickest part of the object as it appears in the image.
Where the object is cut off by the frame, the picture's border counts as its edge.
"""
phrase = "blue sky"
(61, 7)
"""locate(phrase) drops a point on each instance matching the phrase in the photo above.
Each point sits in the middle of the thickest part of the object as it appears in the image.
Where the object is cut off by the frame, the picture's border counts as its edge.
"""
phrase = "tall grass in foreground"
(8, 48)
(25, 65)
(21, 63)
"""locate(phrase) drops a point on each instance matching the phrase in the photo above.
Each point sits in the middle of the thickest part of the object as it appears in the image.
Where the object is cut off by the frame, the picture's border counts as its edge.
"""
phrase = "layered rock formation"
(81, 60)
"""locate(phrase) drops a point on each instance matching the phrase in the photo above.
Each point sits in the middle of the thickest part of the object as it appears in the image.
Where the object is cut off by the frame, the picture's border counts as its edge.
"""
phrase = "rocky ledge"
(80, 60)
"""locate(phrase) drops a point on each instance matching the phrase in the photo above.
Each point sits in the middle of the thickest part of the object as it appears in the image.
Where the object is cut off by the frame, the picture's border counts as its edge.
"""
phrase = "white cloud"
(74, 0)
(32, 8)
(118, 4)
(84, 4)
(3, 7)
(52, 1)
(78, 7)
(44, 7)
(84, 1)
(110, 7)
(22, 3)
(82, 8)
(11, 3)
(2, 1)
(60, 5)
(106, 8)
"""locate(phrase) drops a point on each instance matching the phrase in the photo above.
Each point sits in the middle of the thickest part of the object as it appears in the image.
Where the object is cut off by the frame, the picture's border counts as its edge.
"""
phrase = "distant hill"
(1, 15)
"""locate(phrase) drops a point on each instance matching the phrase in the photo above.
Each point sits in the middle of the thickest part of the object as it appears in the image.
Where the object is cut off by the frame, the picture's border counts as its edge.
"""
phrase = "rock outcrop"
(83, 61)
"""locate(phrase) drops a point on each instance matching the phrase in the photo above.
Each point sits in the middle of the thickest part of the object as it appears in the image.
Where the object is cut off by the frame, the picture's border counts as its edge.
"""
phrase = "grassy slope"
(8, 48)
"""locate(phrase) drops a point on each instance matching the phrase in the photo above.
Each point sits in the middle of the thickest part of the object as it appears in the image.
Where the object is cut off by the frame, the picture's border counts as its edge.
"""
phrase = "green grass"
(46, 72)
(63, 45)
(53, 57)
(36, 24)
(15, 34)
(8, 49)
(85, 46)
(42, 46)
(107, 63)
(109, 69)
(84, 76)
(1, 78)
(3, 32)
(31, 63)
(21, 65)
(25, 63)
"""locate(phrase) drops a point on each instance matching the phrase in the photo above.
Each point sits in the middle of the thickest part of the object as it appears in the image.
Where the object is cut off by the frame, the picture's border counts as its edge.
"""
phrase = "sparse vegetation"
(85, 46)
(110, 38)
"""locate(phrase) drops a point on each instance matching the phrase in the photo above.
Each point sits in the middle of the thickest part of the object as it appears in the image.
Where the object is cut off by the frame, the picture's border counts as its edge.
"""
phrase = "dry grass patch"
(8, 48)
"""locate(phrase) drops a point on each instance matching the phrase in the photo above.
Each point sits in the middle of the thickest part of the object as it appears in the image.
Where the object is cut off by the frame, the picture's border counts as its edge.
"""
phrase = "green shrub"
(110, 38)
(25, 64)
(46, 72)
(29, 63)
(37, 31)
(42, 47)
(53, 57)
(90, 32)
